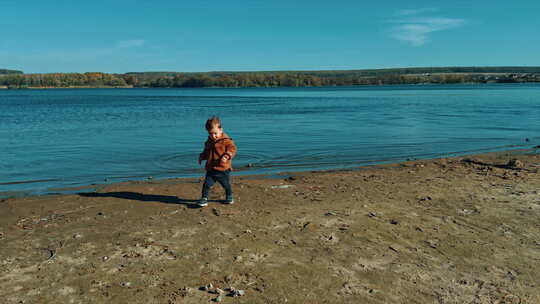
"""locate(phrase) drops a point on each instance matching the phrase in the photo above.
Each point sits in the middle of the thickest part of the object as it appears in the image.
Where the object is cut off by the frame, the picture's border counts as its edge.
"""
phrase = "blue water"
(71, 137)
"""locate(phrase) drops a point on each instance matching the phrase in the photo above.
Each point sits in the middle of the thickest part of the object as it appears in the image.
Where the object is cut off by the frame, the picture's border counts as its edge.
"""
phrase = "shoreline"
(277, 87)
(450, 230)
(66, 190)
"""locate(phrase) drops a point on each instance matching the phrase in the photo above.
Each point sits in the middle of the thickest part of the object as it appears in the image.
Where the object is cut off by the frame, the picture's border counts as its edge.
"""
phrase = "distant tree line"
(62, 80)
(295, 79)
(5, 71)
(277, 78)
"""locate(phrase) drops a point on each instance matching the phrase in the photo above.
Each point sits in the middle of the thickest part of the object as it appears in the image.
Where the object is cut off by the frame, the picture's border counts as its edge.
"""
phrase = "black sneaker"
(229, 200)
(203, 202)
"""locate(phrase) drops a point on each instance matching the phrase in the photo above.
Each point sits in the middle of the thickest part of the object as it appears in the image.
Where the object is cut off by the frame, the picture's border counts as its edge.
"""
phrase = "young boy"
(219, 150)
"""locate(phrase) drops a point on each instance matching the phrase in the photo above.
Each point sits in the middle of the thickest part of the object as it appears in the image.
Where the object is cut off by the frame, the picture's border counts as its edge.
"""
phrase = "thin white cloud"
(416, 31)
(130, 43)
(409, 12)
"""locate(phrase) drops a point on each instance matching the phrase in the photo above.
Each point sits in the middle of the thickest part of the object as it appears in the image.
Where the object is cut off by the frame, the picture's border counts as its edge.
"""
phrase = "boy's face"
(215, 133)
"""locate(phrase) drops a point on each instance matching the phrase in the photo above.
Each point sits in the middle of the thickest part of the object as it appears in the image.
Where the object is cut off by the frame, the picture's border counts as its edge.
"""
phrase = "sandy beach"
(454, 230)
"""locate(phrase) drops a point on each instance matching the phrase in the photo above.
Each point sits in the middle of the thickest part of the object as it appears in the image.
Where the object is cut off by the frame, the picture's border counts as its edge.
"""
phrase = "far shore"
(218, 87)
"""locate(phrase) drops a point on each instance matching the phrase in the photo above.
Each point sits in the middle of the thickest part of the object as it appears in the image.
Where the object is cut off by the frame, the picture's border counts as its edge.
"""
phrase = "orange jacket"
(214, 150)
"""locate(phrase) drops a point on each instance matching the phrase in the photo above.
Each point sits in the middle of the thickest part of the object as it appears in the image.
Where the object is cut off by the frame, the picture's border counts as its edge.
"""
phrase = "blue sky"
(123, 36)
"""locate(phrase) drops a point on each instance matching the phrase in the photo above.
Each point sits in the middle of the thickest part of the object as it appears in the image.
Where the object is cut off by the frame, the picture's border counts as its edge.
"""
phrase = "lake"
(58, 138)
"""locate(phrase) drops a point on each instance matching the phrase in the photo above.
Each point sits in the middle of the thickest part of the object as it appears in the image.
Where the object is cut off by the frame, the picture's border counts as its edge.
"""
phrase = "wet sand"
(456, 230)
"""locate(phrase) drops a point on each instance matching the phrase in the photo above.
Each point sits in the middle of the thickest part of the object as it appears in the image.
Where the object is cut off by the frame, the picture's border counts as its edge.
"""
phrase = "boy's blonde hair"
(213, 122)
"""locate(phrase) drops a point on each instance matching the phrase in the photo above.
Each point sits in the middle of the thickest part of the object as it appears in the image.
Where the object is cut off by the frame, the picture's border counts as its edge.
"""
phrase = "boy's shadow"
(167, 199)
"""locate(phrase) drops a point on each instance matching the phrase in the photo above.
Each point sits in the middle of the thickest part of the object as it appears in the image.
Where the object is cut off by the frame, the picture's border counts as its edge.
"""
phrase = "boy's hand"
(224, 159)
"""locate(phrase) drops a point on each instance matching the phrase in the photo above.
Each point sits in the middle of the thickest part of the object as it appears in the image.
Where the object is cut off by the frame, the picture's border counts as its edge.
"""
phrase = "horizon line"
(276, 71)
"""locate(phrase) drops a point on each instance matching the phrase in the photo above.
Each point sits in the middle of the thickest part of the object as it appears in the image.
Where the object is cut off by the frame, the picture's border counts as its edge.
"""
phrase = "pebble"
(237, 293)
(126, 284)
(207, 287)
(283, 186)
(432, 243)
(105, 258)
(515, 163)
(77, 236)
